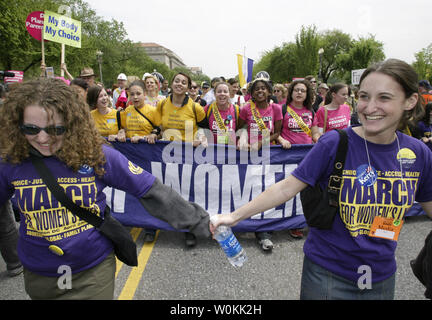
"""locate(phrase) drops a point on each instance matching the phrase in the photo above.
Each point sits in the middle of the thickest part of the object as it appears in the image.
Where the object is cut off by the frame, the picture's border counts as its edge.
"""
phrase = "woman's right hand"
(226, 219)
(121, 136)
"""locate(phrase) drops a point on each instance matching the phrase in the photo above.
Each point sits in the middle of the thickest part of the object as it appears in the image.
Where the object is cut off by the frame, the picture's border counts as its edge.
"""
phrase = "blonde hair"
(82, 143)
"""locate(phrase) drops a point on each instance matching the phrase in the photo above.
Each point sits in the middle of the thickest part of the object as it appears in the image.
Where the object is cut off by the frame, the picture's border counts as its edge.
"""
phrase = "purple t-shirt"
(45, 222)
(348, 246)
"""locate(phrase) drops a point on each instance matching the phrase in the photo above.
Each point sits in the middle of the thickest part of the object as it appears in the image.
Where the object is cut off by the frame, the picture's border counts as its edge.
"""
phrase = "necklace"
(403, 186)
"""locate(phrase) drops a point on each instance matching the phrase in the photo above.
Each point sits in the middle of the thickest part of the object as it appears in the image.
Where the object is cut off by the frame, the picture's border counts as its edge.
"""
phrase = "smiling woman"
(48, 120)
(385, 171)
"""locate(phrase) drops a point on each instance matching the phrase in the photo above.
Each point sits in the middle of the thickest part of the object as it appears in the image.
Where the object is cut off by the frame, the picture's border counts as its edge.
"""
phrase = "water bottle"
(230, 245)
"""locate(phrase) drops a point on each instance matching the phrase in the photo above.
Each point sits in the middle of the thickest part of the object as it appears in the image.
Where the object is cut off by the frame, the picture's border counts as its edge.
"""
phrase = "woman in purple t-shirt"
(49, 120)
(335, 114)
(385, 172)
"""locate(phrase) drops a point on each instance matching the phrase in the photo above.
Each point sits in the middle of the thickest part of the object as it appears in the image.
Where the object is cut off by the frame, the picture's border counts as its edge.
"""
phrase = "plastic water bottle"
(230, 245)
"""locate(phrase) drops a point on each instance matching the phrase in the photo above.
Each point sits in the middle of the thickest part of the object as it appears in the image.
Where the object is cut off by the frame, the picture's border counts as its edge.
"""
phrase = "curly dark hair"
(82, 143)
(266, 83)
(309, 94)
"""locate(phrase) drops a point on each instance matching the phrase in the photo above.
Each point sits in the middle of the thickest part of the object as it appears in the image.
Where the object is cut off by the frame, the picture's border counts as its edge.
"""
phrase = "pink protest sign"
(35, 23)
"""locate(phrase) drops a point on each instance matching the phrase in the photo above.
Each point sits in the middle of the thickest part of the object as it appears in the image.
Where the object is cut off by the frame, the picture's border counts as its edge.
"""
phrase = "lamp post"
(99, 55)
(320, 53)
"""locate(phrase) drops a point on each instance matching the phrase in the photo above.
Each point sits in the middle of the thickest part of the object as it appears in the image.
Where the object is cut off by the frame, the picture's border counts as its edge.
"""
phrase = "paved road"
(174, 272)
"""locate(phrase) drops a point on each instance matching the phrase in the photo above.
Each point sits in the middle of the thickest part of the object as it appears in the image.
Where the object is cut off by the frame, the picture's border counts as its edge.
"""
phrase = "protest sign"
(34, 24)
(62, 29)
(356, 75)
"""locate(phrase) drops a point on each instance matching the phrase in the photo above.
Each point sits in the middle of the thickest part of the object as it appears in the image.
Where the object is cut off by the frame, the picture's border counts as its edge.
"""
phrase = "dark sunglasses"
(33, 130)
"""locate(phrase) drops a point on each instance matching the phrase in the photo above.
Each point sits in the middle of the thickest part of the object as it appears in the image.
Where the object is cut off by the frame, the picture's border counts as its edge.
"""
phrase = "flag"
(245, 66)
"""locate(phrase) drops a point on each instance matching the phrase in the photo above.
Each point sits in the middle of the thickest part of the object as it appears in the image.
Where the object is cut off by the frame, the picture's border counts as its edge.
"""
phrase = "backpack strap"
(118, 120)
(335, 180)
(145, 117)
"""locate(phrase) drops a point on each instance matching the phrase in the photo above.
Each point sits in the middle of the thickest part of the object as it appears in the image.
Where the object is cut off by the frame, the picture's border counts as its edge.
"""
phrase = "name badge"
(386, 228)
(222, 138)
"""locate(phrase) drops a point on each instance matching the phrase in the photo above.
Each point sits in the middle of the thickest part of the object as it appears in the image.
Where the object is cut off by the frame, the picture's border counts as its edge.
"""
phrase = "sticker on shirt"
(366, 175)
(386, 228)
(406, 157)
(135, 169)
(85, 169)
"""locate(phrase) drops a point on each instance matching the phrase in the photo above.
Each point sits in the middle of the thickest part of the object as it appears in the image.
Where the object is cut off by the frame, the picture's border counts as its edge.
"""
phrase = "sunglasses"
(32, 130)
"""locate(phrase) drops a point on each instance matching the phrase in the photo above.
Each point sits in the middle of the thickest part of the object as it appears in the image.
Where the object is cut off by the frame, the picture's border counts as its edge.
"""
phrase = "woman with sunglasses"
(48, 119)
(194, 94)
(280, 93)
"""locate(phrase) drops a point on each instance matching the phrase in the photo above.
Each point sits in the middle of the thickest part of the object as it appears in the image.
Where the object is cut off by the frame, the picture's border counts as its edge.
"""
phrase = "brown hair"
(334, 89)
(93, 96)
(407, 77)
(309, 93)
(82, 143)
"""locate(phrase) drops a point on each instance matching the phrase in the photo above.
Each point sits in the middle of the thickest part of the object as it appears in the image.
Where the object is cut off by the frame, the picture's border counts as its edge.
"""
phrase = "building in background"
(161, 54)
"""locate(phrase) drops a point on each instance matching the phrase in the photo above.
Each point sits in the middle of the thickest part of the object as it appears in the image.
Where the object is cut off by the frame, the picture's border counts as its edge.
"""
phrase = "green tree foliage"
(300, 58)
(423, 63)
(21, 52)
(307, 45)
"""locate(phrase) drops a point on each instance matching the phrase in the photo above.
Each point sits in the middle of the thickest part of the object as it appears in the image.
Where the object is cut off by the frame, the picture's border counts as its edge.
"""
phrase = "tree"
(363, 53)
(21, 52)
(423, 63)
(335, 43)
(307, 45)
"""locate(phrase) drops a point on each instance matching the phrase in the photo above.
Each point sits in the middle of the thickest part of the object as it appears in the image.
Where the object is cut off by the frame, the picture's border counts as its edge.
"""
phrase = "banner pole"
(62, 60)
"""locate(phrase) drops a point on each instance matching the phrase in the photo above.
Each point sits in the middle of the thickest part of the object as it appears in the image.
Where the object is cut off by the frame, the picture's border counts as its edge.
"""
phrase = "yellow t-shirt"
(135, 124)
(106, 123)
(174, 119)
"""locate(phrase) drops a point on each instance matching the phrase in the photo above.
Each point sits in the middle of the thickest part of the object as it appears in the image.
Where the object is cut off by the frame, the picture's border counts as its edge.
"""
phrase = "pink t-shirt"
(292, 131)
(269, 115)
(229, 119)
(336, 119)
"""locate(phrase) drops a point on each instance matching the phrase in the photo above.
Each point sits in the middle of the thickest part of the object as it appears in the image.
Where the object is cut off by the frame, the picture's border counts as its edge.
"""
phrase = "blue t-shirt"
(364, 193)
(45, 222)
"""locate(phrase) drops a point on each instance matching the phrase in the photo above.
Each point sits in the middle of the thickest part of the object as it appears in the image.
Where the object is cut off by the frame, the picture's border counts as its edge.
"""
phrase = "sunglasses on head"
(32, 130)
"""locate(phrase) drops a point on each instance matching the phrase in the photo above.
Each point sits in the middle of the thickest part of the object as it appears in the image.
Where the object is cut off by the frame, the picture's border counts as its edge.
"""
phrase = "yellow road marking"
(135, 232)
(134, 278)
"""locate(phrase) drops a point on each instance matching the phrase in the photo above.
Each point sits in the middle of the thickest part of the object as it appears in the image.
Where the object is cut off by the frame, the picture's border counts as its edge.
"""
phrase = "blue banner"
(219, 178)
